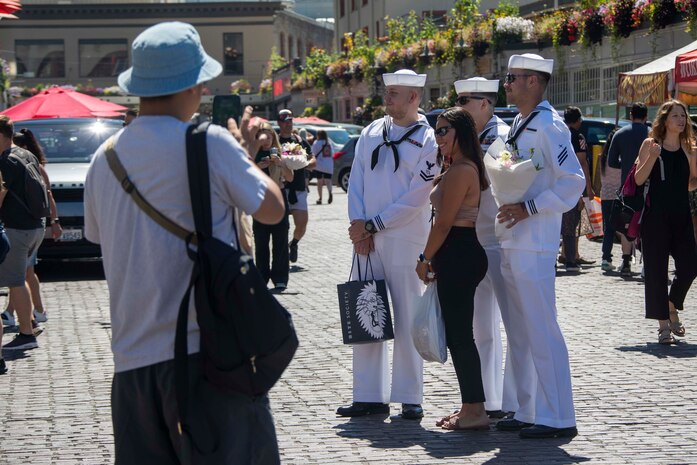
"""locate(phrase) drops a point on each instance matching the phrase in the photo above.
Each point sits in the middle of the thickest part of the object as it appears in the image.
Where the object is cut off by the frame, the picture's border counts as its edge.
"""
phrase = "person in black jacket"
(24, 231)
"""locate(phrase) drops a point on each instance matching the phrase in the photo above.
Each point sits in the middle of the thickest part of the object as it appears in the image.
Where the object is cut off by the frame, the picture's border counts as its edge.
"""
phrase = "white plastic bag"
(428, 330)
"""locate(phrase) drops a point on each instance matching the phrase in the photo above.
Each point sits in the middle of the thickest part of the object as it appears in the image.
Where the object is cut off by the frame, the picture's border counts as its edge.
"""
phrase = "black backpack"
(247, 337)
(34, 199)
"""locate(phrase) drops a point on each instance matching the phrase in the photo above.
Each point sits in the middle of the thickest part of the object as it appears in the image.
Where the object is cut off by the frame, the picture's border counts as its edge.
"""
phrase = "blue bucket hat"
(167, 58)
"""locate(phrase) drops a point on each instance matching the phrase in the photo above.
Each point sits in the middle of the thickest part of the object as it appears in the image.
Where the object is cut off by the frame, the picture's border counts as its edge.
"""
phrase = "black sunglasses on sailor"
(464, 99)
(442, 131)
(510, 77)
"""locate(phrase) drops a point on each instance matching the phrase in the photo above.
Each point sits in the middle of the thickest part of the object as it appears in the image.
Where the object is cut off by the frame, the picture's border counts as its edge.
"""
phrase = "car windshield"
(338, 136)
(71, 143)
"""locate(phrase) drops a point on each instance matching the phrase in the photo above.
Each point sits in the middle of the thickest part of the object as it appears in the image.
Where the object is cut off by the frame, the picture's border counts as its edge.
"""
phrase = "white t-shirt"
(325, 164)
(146, 267)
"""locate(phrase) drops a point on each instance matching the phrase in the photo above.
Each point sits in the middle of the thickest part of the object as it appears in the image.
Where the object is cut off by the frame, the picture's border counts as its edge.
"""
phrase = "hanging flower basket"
(593, 28)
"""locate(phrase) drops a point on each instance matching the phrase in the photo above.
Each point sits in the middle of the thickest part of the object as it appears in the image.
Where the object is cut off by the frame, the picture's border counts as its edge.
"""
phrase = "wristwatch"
(423, 259)
(55, 221)
(370, 227)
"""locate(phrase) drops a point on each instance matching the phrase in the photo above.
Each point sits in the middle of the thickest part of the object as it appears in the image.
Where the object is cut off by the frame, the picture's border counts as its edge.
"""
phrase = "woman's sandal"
(445, 420)
(676, 325)
(463, 424)
(665, 337)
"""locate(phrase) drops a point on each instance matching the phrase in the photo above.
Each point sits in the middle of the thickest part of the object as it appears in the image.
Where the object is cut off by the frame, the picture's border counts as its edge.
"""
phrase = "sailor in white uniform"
(478, 96)
(539, 357)
(391, 178)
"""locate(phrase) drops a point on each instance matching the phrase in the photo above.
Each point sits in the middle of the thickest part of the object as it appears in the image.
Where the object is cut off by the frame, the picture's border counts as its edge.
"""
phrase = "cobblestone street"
(636, 401)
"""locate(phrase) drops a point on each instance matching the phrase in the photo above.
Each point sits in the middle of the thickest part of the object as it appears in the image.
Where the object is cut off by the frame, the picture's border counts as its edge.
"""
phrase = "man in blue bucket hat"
(147, 268)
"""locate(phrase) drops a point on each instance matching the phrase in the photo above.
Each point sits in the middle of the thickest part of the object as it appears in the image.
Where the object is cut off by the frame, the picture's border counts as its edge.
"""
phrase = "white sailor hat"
(532, 62)
(478, 85)
(404, 77)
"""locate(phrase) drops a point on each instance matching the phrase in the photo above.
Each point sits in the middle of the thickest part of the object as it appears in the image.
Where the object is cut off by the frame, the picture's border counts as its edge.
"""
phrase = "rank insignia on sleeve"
(426, 174)
(415, 142)
(563, 155)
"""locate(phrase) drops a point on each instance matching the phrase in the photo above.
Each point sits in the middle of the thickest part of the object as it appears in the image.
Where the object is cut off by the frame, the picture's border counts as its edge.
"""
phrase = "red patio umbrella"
(309, 120)
(58, 102)
(7, 7)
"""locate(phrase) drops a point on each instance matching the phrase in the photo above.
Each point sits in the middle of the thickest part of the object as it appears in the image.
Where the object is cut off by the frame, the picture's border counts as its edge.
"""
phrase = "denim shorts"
(23, 244)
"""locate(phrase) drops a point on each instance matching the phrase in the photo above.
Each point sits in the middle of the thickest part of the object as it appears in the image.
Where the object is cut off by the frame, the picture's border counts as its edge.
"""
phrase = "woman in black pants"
(274, 265)
(459, 261)
(668, 161)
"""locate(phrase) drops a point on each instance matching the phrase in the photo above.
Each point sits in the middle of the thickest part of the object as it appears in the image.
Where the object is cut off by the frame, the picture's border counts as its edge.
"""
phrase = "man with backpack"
(23, 213)
(148, 268)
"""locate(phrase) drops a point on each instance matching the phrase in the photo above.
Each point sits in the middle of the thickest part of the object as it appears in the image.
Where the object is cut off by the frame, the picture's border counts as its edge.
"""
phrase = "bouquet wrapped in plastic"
(294, 156)
(511, 174)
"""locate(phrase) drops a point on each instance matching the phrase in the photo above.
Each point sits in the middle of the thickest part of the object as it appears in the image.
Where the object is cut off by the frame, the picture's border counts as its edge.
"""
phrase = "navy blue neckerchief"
(516, 130)
(392, 144)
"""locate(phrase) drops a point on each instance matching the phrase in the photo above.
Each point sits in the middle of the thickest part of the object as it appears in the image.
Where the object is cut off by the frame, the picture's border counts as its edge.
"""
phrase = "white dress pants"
(491, 293)
(538, 355)
(395, 261)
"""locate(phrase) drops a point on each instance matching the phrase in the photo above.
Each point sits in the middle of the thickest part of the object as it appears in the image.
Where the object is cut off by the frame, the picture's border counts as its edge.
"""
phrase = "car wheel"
(344, 179)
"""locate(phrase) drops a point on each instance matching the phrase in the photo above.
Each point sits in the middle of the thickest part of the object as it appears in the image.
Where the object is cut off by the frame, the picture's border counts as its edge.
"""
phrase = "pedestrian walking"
(539, 357)
(667, 164)
(4, 249)
(458, 259)
(275, 265)
(147, 268)
(570, 220)
(26, 140)
(22, 213)
(478, 96)
(322, 151)
(623, 153)
(610, 179)
(391, 178)
(297, 189)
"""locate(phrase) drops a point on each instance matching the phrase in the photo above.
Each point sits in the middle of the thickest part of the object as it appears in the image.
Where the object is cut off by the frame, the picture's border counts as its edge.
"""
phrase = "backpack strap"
(122, 176)
(199, 178)
(199, 189)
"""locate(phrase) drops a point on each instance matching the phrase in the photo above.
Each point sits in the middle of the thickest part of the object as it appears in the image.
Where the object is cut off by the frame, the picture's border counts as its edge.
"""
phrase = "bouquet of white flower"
(511, 174)
(294, 156)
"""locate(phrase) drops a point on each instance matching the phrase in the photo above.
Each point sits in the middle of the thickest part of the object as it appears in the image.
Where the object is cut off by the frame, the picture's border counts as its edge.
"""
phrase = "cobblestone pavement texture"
(635, 400)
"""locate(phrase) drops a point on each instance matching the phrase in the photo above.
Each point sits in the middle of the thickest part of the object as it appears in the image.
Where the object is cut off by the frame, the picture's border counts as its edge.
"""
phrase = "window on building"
(377, 29)
(102, 57)
(342, 8)
(233, 53)
(309, 48)
(434, 94)
(291, 53)
(558, 91)
(299, 49)
(587, 85)
(282, 42)
(347, 109)
(365, 2)
(43, 58)
(610, 80)
(353, 5)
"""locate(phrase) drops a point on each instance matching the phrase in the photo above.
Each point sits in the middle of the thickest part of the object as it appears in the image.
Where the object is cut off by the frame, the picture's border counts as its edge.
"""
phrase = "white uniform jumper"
(491, 292)
(538, 353)
(396, 199)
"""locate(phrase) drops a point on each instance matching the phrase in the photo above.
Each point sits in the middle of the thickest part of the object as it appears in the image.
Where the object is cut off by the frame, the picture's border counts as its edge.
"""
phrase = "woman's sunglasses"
(442, 131)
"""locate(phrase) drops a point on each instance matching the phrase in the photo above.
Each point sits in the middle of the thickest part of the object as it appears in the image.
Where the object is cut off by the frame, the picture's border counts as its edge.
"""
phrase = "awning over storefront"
(653, 82)
(686, 77)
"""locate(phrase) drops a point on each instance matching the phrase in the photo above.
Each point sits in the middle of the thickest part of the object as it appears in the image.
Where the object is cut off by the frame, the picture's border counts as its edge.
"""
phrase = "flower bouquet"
(511, 174)
(294, 156)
